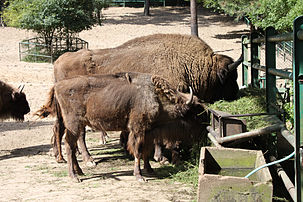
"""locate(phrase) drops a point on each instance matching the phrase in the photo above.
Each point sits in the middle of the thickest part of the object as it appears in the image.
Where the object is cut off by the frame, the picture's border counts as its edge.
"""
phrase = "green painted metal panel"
(298, 98)
(255, 59)
(270, 62)
(245, 60)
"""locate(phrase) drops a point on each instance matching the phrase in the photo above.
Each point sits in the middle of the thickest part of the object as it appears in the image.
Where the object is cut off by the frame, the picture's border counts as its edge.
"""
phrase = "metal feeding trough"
(222, 174)
(226, 124)
(229, 129)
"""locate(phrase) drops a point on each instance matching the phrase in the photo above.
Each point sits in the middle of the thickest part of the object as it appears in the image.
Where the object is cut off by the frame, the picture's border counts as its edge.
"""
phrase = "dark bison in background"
(144, 105)
(13, 103)
(183, 60)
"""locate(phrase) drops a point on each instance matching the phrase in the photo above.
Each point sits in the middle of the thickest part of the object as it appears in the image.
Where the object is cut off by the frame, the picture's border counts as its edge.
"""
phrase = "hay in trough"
(251, 101)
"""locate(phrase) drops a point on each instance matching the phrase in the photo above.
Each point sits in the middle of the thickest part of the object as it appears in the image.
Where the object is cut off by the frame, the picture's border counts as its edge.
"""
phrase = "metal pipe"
(213, 140)
(276, 72)
(287, 182)
(280, 37)
(250, 134)
(288, 136)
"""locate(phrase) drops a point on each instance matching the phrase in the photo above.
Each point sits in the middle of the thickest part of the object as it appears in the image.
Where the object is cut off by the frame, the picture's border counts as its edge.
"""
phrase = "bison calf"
(134, 102)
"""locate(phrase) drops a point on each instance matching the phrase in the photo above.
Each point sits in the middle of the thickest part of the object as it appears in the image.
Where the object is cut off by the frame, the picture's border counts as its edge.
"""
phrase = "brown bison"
(181, 59)
(13, 103)
(150, 107)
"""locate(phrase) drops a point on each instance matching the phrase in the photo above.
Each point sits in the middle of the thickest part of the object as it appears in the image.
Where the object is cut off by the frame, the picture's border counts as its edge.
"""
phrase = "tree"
(193, 19)
(146, 7)
(98, 6)
(263, 13)
(51, 17)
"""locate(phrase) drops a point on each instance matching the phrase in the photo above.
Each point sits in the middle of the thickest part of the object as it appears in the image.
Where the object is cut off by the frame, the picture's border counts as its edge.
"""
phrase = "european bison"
(13, 103)
(144, 105)
(183, 60)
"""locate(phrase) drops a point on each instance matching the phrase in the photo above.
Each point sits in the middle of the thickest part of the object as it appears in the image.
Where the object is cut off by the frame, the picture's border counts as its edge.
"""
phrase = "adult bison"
(150, 107)
(181, 59)
(13, 103)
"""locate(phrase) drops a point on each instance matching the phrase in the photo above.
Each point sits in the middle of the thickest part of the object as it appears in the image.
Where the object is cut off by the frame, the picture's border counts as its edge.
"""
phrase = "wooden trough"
(222, 174)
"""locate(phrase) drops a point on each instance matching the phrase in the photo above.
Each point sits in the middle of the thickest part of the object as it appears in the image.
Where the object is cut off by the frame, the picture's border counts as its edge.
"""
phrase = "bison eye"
(222, 75)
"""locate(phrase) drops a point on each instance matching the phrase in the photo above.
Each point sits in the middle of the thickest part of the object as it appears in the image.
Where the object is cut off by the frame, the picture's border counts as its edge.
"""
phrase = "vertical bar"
(270, 62)
(298, 98)
(245, 60)
(255, 59)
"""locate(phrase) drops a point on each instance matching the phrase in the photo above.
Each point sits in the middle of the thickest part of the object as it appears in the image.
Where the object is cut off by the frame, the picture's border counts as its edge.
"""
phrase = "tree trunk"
(146, 8)
(193, 19)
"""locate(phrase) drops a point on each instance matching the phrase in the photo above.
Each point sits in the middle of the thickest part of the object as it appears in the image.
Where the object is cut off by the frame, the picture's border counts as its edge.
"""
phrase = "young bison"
(134, 102)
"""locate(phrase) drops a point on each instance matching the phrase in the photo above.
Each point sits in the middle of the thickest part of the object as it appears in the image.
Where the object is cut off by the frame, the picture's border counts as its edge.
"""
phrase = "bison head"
(227, 86)
(17, 105)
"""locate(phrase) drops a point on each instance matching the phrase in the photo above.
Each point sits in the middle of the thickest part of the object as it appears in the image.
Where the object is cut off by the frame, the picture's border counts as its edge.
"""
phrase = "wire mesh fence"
(36, 49)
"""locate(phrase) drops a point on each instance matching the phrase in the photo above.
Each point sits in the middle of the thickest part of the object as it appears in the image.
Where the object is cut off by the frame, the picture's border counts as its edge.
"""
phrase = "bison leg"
(123, 139)
(57, 139)
(137, 170)
(147, 165)
(87, 158)
(73, 166)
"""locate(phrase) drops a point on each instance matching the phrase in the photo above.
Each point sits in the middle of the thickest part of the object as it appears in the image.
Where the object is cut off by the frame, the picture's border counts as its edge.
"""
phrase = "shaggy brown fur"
(100, 101)
(13, 103)
(181, 59)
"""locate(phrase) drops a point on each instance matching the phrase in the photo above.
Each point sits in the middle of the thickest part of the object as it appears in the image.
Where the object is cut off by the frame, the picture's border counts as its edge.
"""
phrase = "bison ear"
(222, 75)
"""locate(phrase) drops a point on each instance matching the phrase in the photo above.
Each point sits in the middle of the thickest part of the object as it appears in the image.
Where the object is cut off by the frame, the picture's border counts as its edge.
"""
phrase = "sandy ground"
(29, 173)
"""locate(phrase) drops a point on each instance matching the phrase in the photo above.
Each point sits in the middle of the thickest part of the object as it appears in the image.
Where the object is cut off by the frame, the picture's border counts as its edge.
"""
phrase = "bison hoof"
(140, 178)
(61, 160)
(164, 161)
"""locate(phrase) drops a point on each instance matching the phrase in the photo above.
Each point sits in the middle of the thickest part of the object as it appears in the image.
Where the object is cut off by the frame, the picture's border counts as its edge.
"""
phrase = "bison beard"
(147, 104)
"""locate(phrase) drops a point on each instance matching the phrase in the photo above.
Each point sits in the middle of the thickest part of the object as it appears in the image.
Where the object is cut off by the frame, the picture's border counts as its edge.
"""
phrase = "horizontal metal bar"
(280, 37)
(251, 134)
(276, 72)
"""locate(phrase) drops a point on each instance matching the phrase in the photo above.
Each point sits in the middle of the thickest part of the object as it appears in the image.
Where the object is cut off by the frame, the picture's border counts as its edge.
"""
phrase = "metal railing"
(252, 62)
(36, 50)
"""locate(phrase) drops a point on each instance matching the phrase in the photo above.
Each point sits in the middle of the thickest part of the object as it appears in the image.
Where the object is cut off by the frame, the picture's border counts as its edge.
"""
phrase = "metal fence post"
(255, 59)
(298, 98)
(245, 59)
(270, 62)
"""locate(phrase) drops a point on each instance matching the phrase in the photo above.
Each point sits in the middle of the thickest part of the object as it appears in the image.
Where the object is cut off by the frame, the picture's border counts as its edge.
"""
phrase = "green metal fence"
(251, 68)
(35, 49)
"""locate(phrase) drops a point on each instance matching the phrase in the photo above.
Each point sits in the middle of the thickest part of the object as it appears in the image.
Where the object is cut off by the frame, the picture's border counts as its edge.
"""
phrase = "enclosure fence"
(36, 50)
(252, 68)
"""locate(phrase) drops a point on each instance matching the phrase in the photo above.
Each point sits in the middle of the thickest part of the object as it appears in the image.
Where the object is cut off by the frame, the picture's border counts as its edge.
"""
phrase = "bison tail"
(49, 108)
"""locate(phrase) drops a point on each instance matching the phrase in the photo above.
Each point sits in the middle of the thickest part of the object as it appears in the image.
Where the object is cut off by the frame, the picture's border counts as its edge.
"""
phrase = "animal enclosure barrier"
(251, 68)
(36, 50)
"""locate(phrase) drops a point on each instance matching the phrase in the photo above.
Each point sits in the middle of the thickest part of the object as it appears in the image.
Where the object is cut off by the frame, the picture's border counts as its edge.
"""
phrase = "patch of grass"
(60, 173)
(186, 173)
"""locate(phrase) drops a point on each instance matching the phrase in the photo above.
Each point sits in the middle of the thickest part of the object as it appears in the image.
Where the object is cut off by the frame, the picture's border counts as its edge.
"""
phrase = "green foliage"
(263, 13)
(53, 17)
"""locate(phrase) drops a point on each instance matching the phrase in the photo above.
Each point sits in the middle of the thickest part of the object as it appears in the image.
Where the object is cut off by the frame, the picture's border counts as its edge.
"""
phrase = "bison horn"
(236, 63)
(190, 100)
(21, 88)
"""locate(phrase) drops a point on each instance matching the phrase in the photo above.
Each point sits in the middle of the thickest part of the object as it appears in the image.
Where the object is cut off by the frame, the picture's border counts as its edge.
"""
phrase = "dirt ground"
(30, 173)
